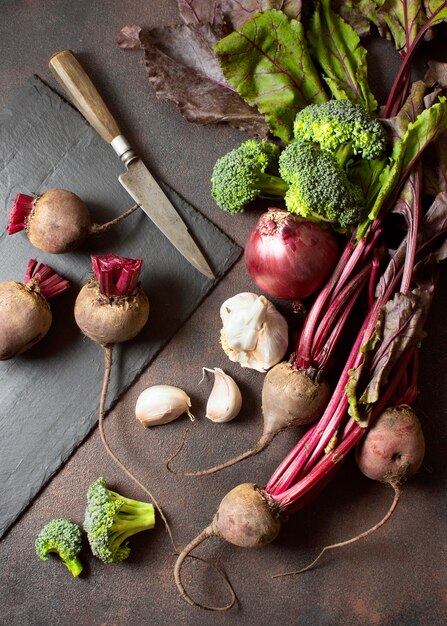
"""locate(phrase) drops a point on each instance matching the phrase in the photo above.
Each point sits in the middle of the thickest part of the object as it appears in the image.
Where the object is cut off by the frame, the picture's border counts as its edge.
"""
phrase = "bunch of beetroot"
(390, 266)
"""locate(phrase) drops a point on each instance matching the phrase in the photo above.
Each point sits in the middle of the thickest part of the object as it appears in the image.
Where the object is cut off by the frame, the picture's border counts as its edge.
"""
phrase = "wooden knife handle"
(78, 86)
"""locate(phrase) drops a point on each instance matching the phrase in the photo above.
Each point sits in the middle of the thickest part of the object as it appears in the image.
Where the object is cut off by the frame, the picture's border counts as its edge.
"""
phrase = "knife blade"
(137, 180)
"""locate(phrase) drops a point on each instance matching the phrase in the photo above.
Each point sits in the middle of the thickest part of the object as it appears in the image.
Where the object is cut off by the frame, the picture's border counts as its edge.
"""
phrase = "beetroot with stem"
(25, 316)
(56, 221)
(112, 308)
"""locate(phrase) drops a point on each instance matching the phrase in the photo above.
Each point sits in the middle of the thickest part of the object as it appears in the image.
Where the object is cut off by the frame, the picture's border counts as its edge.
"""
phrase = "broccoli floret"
(319, 189)
(110, 519)
(343, 128)
(64, 538)
(245, 173)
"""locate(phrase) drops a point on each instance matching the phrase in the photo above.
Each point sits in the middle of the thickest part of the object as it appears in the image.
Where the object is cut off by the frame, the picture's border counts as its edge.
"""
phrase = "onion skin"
(110, 320)
(393, 449)
(25, 318)
(289, 257)
(58, 230)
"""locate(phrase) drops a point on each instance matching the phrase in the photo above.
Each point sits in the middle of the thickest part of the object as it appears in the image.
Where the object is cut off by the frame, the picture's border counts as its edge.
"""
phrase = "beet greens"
(394, 253)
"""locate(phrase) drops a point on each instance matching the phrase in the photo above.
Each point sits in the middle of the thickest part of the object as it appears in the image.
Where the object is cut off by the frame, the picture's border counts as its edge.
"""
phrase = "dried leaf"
(238, 12)
(435, 167)
(182, 67)
(203, 12)
(436, 74)
(232, 14)
(400, 327)
(129, 37)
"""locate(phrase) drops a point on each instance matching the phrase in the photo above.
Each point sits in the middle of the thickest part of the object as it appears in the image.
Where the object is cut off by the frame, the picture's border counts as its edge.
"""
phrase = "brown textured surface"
(396, 577)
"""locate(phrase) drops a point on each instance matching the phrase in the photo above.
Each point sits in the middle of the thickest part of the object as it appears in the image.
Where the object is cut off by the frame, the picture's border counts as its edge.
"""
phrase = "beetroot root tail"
(342, 544)
(205, 534)
(108, 361)
(98, 229)
(262, 444)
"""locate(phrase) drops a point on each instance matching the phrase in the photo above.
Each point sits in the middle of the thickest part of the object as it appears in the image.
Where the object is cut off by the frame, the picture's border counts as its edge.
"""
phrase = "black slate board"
(49, 395)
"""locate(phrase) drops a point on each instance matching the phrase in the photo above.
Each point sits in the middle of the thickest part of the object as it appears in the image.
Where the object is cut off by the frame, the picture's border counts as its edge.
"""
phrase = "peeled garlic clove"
(225, 400)
(161, 404)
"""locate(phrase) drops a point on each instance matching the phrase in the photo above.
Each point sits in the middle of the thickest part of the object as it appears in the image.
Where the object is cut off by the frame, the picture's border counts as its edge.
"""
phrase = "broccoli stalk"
(110, 519)
(64, 538)
(342, 128)
(246, 173)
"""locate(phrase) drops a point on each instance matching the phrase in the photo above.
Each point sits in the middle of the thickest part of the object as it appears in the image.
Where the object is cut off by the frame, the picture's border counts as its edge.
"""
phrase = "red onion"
(289, 257)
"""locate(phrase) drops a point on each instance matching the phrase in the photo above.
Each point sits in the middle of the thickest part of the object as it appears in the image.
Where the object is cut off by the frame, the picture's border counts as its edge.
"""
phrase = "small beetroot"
(25, 316)
(112, 307)
(56, 221)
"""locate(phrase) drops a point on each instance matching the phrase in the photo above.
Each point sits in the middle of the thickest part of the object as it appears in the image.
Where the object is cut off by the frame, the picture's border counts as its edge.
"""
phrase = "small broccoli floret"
(318, 186)
(341, 127)
(64, 538)
(110, 519)
(246, 173)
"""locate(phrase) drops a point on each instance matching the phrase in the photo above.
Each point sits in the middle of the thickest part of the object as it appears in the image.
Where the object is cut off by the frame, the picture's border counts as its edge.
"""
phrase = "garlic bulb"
(161, 404)
(254, 332)
(225, 400)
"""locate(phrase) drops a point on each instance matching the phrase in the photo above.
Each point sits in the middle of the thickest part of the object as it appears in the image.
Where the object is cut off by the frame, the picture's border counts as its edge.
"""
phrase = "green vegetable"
(110, 519)
(268, 63)
(335, 46)
(319, 189)
(427, 128)
(64, 538)
(246, 173)
(343, 128)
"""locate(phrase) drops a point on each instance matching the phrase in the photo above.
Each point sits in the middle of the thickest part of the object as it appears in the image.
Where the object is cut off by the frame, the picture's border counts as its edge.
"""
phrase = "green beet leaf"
(268, 63)
(335, 46)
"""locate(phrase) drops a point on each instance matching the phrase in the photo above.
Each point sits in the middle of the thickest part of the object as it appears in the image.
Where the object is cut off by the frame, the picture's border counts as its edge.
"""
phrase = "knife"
(137, 180)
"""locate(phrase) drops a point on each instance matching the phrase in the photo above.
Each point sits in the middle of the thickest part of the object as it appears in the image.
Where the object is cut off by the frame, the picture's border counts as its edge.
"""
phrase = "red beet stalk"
(49, 282)
(116, 275)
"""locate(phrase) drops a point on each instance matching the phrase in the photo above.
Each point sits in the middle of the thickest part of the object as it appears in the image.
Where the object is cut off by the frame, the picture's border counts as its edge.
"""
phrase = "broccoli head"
(245, 173)
(110, 519)
(64, 538)
(341, 127)
(319, 189)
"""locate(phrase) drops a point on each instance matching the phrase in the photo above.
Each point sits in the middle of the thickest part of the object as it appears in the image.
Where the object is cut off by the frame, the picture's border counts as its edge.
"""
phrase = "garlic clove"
(272, 341)
(161, 404)
(225, 400)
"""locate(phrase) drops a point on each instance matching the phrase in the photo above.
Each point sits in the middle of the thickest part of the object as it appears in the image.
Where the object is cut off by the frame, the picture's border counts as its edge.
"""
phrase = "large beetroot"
(25, 316)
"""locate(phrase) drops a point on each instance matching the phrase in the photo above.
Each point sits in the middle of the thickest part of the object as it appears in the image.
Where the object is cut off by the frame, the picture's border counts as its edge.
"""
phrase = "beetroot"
(393, 449)
(244, 518)
(56, 221)
(25, 316)
(112, 307)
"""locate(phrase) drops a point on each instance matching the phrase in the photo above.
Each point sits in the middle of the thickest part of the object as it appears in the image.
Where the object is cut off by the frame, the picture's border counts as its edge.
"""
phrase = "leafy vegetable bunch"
(270, 68)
